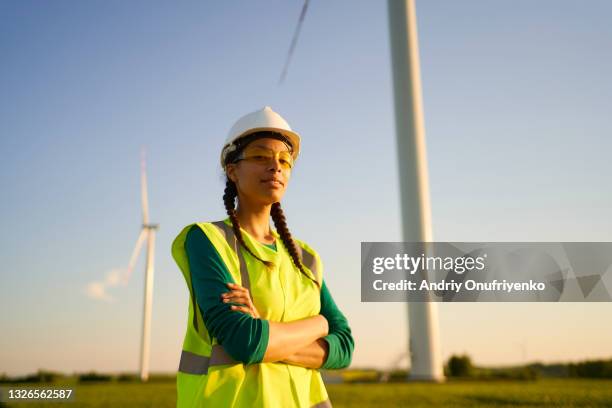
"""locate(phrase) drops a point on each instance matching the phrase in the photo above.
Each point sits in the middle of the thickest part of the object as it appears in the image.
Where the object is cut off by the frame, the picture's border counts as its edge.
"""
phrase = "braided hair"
(229, 200)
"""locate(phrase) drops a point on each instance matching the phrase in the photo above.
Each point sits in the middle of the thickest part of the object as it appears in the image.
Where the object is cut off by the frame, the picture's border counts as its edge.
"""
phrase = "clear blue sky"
(517, 97)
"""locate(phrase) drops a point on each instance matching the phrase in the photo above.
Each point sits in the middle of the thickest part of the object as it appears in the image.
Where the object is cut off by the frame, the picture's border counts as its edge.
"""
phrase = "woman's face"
(258, 180)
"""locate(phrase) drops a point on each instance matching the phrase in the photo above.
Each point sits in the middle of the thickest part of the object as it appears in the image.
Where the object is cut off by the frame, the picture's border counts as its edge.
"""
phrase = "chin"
(273, 197)
(276, 198)
(263, 196)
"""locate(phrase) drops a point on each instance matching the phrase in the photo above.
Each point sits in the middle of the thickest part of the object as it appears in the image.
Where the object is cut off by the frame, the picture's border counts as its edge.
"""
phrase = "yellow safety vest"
(207, 375)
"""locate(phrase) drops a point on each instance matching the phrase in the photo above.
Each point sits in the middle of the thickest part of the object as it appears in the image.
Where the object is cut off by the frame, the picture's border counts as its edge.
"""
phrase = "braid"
(229, 197)
(281, 227)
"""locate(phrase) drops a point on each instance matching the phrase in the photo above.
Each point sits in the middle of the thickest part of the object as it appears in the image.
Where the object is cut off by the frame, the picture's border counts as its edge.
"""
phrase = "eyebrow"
(266, 147)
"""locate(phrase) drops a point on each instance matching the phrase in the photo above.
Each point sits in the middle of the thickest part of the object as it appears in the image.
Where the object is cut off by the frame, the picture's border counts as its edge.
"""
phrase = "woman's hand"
(242, 296)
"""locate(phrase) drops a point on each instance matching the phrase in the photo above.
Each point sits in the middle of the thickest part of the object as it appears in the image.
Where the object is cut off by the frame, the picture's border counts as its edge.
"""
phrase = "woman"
(261, 319)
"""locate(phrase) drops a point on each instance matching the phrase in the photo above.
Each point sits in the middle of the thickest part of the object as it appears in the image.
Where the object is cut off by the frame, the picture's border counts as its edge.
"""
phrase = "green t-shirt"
(243, 337)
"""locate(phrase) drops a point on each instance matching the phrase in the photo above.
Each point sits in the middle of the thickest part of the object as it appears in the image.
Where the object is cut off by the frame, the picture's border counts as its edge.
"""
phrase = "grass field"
(541, 393)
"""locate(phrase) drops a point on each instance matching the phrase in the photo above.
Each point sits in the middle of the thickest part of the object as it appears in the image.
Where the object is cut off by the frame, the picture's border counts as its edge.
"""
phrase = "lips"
(273, 181)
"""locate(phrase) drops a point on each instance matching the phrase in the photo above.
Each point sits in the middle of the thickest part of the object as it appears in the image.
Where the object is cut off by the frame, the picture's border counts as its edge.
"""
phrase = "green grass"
(541, 393)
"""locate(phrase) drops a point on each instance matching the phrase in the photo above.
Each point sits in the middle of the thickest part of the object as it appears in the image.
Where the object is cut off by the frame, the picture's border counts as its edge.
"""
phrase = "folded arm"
(289, 338)
(333, 351)
(310, 356)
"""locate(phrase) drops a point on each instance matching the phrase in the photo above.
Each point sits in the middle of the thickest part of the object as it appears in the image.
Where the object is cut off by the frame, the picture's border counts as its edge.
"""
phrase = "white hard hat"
(260, 120)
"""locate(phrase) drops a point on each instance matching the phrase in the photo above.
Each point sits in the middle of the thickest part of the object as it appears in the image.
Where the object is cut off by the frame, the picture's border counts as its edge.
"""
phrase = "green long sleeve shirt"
(243, 337)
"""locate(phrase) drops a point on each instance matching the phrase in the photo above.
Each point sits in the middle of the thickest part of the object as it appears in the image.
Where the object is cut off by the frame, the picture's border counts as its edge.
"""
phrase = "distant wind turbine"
(147, 234)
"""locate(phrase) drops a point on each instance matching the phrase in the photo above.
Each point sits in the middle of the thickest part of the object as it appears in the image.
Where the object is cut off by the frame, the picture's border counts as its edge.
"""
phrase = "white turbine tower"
(147, 234)
(424, 347)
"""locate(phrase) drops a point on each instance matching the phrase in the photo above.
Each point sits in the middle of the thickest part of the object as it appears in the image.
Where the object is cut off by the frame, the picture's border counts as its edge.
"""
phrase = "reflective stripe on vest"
(192, 363)
(231, 239)
(309, 261)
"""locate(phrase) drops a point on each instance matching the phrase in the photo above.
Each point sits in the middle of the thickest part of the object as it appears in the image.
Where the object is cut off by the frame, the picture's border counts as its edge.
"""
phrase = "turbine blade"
(296, 34)
(143, 189)
(141, 238)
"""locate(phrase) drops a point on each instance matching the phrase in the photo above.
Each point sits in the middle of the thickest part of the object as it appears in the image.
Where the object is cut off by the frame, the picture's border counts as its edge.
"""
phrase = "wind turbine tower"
(147, 234)
(424, 347)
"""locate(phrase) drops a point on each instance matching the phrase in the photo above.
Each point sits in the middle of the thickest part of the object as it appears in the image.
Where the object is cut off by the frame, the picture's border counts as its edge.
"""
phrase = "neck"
(255, 219)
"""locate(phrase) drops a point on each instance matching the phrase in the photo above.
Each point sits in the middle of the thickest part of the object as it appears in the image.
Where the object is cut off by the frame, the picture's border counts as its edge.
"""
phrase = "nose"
(274, 165)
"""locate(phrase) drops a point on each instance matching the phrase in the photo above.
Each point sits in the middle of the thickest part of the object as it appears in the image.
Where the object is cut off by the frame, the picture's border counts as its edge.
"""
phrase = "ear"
(230, 170)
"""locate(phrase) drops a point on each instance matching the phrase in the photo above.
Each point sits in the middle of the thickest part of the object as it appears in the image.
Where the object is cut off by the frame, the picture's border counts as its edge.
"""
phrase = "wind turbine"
(146, 234)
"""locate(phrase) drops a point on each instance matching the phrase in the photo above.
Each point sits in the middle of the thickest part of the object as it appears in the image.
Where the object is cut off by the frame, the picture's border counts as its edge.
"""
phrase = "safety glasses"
(263, 155)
